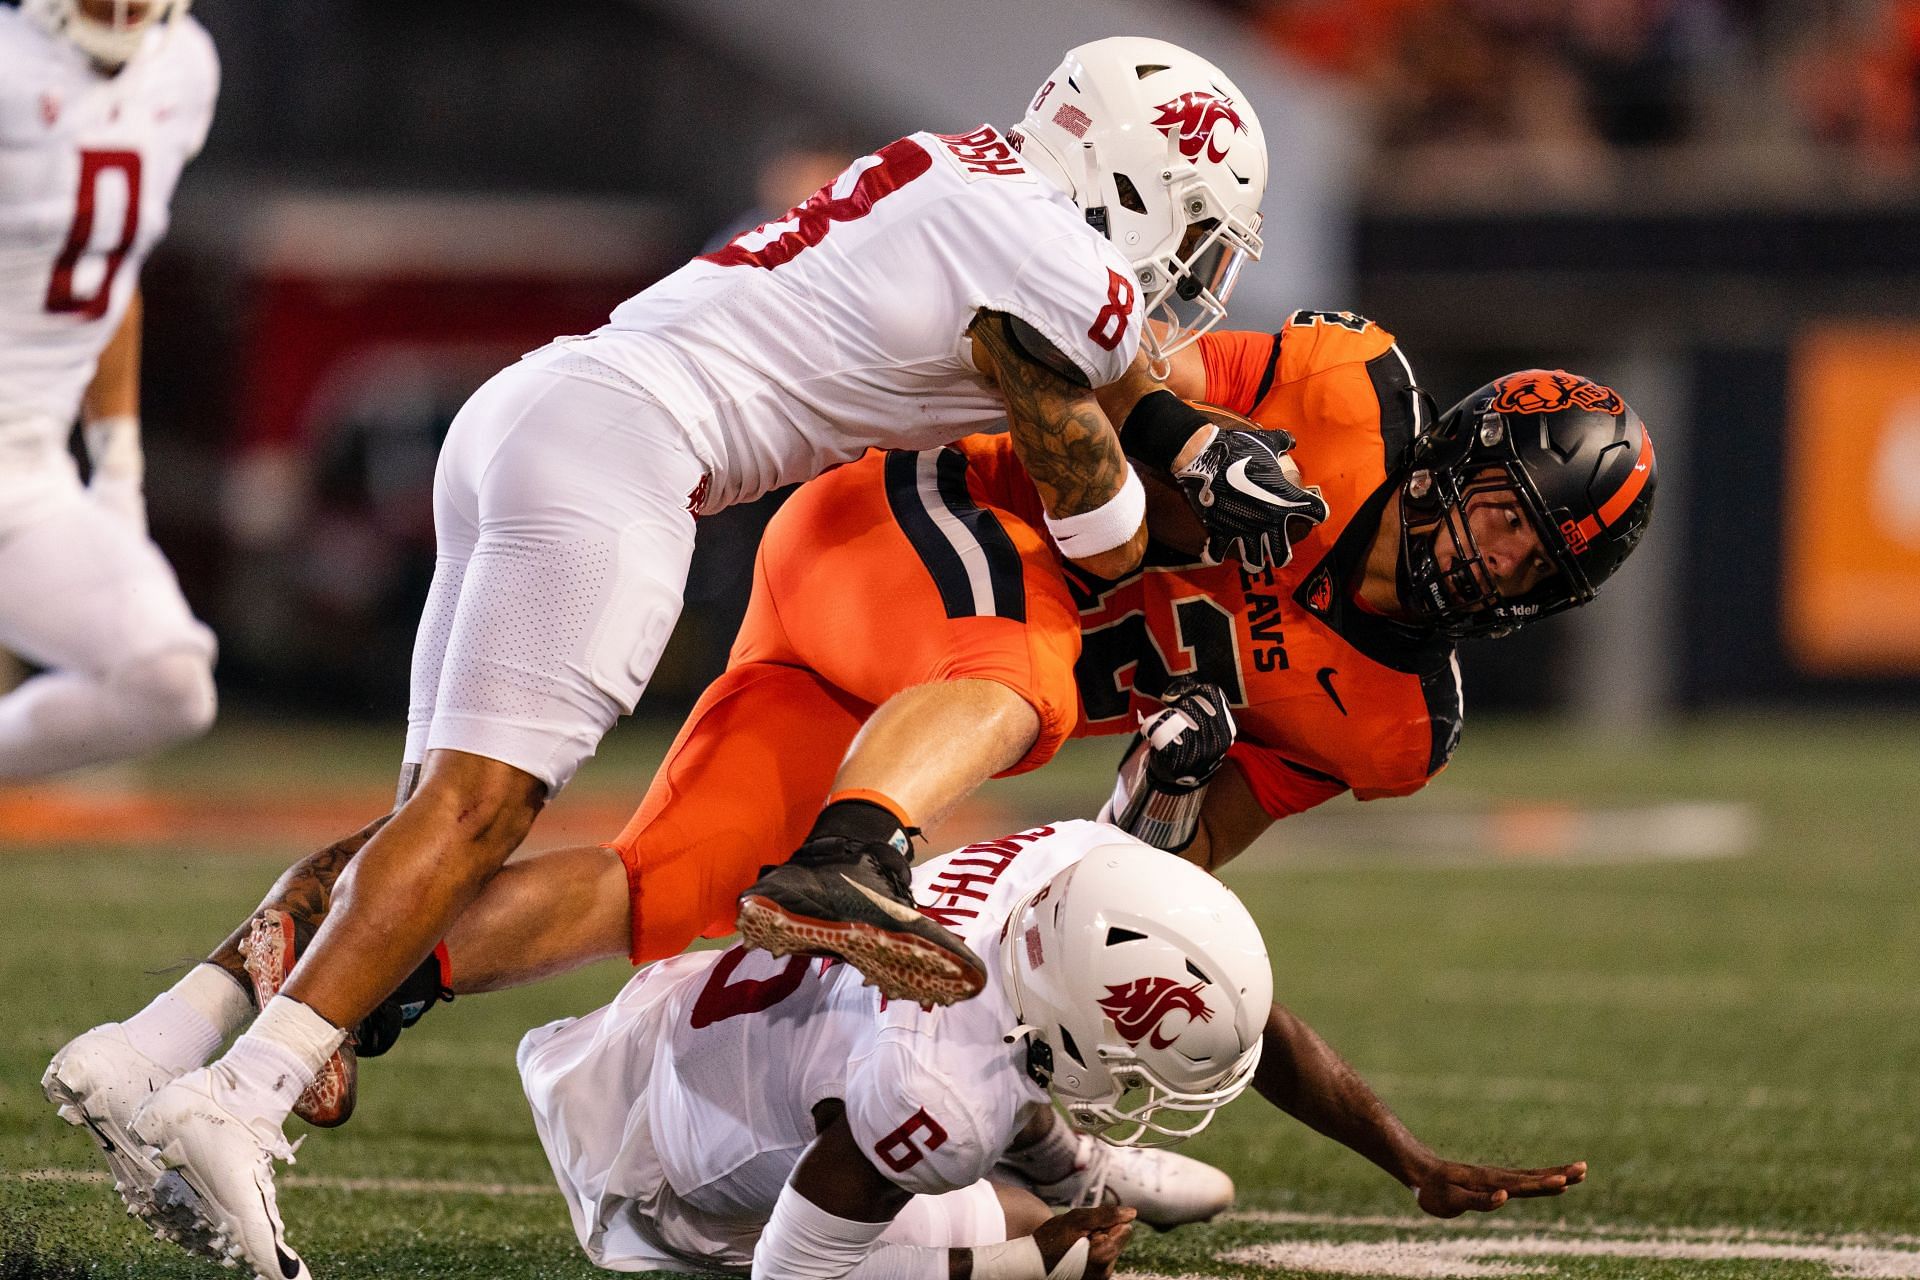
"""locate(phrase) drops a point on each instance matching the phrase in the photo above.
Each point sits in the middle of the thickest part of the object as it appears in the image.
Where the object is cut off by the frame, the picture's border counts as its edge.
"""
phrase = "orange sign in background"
(1852, 596)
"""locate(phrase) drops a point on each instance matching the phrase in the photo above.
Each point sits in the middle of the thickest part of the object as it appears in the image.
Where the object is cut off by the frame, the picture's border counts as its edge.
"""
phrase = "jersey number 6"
(61, 298)
(900, 1151)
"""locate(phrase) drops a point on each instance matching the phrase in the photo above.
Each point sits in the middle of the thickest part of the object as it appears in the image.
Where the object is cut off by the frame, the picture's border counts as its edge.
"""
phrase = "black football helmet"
(1581, 464)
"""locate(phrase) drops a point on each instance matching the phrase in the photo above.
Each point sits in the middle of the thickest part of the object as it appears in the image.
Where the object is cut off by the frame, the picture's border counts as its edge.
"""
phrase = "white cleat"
(1169, 1190)
(202, 1126)
(98, 1081)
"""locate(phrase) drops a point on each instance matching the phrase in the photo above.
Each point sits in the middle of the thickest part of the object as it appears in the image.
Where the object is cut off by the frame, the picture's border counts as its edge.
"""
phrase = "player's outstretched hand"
(1105, 1228)
(1450, 1188)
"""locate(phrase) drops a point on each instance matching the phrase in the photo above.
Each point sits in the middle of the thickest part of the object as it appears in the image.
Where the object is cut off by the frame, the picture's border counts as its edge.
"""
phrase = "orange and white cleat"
(270, 949)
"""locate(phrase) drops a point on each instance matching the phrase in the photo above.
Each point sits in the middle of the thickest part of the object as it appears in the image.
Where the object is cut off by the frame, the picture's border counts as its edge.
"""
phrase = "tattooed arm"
(1059, 433)
(304, 891)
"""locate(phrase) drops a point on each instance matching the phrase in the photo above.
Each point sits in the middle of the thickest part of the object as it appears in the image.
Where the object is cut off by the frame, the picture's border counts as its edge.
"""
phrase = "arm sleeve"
(1281, 786)
(802, 1241)
(1240, 366)
(889, 1261)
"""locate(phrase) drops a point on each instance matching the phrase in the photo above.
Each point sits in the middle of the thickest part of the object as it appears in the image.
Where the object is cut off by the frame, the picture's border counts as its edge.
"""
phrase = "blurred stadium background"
(1712, 204)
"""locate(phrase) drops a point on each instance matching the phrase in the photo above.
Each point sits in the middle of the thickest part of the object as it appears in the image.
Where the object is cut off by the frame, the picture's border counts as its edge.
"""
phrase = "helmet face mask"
(1165, 158)
(1145, 987)
(110, 32)
(1572, 458)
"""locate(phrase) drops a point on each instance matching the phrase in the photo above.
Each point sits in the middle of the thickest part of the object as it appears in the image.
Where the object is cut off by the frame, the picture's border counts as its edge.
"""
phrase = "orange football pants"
(889, 572)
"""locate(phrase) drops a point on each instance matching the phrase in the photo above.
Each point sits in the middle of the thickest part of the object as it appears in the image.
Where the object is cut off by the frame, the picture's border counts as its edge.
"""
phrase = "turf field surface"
(1699, 970)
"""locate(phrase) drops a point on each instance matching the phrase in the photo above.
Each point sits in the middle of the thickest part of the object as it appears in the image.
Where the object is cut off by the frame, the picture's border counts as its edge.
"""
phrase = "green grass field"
(1732, 1042)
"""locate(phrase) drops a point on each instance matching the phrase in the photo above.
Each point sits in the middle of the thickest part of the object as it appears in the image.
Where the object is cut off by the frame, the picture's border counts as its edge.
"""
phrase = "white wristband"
(1020, 1260)
(1107, 526)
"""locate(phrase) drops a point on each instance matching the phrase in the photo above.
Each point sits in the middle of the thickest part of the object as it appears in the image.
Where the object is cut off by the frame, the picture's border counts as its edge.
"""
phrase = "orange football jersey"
(1328, 696)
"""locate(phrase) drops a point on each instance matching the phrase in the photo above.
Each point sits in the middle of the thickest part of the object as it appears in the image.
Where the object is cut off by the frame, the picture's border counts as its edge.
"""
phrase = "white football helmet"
(1145, 986)
(1165, 157)
(108, 31)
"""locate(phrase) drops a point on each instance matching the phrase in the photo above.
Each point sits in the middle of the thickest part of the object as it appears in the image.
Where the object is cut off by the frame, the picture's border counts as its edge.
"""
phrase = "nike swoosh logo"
(1325, 676)
(905, 915)
(1237, 477)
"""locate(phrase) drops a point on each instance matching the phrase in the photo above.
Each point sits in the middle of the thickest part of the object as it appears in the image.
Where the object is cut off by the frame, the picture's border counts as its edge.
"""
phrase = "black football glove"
(1163, 778)
(1187, 740)
(1251, 509)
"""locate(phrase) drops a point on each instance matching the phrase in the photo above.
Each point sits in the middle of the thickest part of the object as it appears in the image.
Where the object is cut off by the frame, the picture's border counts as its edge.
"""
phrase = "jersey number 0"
(61, 298)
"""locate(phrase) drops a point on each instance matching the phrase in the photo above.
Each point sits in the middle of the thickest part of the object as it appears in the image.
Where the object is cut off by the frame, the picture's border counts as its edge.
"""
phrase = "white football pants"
(561, 515)
(91, 599)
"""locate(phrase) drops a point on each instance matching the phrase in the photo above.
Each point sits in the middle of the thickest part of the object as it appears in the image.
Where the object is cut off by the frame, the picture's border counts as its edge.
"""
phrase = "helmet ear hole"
(1068, 1046)
(1129, 194)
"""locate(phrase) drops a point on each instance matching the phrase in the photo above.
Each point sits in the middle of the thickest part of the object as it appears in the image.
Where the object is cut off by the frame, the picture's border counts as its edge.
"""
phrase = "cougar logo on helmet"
(1548, 391)
(1195, 114)
(1138, 1008)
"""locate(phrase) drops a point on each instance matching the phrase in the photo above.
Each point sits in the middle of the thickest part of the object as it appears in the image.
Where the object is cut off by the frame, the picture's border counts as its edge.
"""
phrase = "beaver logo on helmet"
(1551, 390)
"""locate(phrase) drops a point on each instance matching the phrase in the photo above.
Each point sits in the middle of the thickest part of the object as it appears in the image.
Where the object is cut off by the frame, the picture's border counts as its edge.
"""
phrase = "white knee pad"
(169, 696)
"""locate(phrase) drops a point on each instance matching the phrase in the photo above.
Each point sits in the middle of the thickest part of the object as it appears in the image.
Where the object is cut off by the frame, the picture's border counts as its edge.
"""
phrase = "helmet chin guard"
(1578, 460)
(111, 43)
(1144, 986)
(1165, 158)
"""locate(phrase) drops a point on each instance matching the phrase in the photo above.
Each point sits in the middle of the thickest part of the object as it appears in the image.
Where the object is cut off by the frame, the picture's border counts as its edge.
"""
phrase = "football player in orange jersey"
(1332, 666)
(1257, 693)
(1328, 671)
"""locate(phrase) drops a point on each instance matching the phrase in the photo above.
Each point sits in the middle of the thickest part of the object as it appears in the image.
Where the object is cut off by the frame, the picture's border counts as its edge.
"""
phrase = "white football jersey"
(703, 1073)
(88, 165)
(842, 326)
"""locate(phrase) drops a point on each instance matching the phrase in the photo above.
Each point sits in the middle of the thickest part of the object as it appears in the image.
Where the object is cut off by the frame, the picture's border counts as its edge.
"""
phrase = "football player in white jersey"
(729, 1108)
(102, 103)
(733, 1109)
(936, 287)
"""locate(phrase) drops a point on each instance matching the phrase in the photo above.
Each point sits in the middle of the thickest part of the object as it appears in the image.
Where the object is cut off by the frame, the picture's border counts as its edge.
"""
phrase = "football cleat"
(854, 899)
(201, 1126)
(275, 942)
(1168, 1190)
(97, 1082)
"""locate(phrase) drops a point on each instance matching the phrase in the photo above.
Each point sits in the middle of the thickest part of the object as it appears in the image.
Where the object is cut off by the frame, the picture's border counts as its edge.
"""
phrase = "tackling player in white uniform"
(727, 1106)
(934, 287)
(102, 103)
(730, 1109)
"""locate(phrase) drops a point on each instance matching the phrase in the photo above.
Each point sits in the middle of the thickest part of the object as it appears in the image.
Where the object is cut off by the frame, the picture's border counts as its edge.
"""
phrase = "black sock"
(866, 821)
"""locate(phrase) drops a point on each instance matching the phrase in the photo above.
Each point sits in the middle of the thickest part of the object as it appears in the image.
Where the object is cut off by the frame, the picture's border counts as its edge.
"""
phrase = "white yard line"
(1444, 1259)
(1478, 1225)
